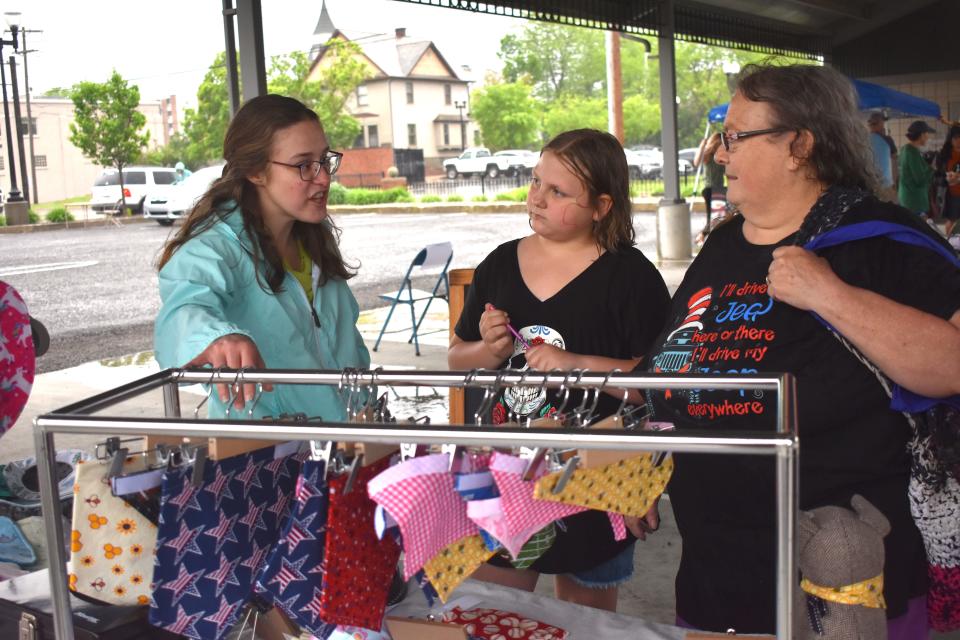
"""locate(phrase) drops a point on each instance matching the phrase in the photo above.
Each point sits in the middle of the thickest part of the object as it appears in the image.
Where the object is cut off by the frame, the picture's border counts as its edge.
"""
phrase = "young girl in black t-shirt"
(580, 296)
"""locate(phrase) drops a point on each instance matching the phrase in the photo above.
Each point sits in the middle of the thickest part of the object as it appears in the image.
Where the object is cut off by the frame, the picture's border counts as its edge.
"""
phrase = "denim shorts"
(612, 573)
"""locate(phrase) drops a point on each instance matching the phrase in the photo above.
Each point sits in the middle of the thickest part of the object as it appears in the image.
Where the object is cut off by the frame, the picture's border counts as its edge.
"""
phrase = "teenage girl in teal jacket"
(254, 277)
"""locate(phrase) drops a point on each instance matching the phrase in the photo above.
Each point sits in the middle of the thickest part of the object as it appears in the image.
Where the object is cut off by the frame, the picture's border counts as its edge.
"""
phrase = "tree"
(57, 92)
(106, 124)
(206, 126)
(555, 59)
(575, 112)
(506, 115)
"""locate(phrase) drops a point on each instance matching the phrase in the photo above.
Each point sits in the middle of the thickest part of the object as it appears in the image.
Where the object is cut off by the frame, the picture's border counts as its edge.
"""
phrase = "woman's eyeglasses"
(311, 169)
(726, 137)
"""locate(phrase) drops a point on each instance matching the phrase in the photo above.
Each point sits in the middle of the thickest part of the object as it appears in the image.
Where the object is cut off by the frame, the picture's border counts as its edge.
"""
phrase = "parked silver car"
(169, 203)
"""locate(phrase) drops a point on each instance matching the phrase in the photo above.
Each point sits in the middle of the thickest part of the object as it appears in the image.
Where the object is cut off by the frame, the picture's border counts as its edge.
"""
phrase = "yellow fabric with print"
(303, 274)
(868, 593)
(111, 543)
(455, 563)
(629, 487)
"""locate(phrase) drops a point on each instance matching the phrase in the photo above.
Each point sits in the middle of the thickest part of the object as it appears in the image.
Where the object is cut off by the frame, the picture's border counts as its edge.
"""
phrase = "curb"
(387, 209)
(76, 224)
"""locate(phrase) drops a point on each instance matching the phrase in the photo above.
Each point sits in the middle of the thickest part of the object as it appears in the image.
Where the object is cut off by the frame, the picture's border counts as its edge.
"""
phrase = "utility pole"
(19, 127)
(614, 86)
(30, 127)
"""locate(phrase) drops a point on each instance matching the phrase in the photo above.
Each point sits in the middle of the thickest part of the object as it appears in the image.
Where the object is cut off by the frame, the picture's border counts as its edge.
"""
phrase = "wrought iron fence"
(482, 186)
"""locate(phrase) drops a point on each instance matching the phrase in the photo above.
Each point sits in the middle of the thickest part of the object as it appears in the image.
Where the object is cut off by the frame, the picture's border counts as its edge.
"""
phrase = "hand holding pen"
(496, 332)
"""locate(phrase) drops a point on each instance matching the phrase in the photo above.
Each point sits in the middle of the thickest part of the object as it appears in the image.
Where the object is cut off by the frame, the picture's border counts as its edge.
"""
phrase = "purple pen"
(518, 336)
(515, 333)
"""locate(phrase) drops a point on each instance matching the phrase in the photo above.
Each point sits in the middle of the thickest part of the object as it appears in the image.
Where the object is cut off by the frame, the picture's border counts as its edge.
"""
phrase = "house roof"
(394, 57)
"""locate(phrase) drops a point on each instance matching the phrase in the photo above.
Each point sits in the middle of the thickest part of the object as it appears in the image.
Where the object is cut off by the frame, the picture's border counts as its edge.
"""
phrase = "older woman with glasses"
(798, 162)
(254, 277)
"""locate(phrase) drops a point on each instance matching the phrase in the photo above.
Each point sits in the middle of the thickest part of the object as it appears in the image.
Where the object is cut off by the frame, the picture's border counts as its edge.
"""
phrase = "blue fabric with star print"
(293, 575)
(213, 540)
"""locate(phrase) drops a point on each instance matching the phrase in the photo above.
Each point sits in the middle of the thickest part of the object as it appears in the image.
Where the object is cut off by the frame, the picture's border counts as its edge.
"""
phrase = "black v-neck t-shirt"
(614, 308)
(724, 321)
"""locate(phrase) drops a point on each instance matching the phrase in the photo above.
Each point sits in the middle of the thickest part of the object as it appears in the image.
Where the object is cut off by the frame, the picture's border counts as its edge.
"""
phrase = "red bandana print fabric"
(359, 567)
(494, 624)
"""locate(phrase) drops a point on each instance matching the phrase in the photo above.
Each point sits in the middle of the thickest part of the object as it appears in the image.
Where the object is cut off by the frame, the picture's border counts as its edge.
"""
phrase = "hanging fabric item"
(538, 544)
(493, 624)
(293, 577)
(455, 563)
(628, 487)
(111, 543)
(358, 566)
(213, 539)
(419, 495)
(489, 516)
(521, 512)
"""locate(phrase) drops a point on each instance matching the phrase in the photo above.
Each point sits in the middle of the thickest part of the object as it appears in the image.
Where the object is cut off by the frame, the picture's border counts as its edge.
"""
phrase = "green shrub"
(337, 194)
(430, 197)
(361, 197)
(455, 197)
(33, 217)
(480, 198)
(514, 195)
(3, 220)
(60, 214)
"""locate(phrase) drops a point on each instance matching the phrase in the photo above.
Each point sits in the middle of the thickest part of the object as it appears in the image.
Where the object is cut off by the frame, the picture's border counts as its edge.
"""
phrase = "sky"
(165, 47)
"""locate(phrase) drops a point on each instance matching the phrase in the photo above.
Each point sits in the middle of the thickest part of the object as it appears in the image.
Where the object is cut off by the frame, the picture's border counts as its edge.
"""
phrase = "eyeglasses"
(311, 169)
(727, 137)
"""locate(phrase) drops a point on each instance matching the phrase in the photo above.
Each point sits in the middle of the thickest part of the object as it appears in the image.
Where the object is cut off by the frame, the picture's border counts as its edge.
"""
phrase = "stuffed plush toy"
(841, 566)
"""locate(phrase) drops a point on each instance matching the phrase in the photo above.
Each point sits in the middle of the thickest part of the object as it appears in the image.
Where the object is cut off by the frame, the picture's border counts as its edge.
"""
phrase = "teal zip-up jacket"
(209, 289)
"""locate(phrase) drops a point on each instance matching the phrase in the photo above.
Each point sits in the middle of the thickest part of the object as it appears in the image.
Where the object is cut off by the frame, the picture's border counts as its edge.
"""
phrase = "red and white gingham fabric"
(619, 526)
(521, 511)
(419, 494)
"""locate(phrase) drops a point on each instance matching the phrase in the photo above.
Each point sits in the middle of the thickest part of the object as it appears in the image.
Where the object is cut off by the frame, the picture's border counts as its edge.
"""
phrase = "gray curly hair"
(824, 102)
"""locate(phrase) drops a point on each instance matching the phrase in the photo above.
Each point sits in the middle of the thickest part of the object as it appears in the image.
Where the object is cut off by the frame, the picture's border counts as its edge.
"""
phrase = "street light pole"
(461, 105)
(19, 122)
(30, 127)
(15, 195)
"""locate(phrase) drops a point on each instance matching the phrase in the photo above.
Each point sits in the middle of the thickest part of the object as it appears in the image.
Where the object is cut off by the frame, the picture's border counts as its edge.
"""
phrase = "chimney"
(401, 32)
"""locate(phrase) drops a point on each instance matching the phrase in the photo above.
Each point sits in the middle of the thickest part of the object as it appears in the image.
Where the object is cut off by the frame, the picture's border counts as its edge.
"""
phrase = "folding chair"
(430, 257)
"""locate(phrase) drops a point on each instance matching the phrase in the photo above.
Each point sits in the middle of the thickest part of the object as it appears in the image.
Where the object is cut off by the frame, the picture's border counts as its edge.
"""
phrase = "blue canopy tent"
(873, 97)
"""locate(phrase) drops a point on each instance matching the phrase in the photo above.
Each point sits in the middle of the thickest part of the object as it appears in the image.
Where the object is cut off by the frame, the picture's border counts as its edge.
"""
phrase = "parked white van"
(137, 182)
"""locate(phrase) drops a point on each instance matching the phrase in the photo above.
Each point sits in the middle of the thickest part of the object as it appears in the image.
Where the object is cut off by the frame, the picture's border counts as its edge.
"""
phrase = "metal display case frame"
(783, 444)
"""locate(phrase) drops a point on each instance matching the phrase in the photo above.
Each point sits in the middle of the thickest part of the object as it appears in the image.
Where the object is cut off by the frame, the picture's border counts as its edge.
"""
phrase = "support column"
(230, 49)
(673, 214)
(614, 86)
(253, 69)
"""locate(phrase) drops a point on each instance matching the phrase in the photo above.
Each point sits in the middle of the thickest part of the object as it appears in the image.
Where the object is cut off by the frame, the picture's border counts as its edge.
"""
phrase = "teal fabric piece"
(209, 289)
(13, 544)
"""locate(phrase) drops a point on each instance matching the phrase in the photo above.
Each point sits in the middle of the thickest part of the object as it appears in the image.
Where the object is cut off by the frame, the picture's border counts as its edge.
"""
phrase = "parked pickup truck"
(477, 160)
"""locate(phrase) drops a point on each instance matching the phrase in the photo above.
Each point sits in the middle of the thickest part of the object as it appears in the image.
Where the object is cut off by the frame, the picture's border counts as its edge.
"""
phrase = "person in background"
(948, 173)
(182, 173)
(797, 157)
(713, 182)
(916, 174)
(884, 155)
(254, 277)
(580, 296)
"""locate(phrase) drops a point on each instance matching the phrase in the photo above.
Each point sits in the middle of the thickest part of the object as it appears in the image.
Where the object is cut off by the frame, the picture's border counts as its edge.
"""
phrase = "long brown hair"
(598, 161)
(246, 148)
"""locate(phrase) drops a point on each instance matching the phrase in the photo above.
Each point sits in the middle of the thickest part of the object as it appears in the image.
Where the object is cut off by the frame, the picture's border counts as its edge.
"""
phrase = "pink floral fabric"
(16, 356)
